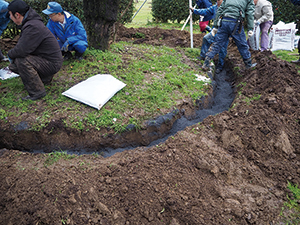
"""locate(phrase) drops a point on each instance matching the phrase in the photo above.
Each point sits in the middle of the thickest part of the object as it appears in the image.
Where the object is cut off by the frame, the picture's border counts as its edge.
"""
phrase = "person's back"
(236, 8)
(232, 14)
(204, 21)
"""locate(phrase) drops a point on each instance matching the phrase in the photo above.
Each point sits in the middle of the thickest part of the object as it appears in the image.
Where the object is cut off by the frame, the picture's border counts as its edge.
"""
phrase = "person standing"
(4, 20)
(204, 21)
(36, 56)
(297, 2)
(68, 30)
(209, 38)
(263, 17)
(231, 14)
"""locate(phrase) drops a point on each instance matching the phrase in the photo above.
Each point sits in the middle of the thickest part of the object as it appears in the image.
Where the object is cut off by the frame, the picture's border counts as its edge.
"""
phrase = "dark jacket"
(208, 13)
(36, 39)
(203, 4)
(232, 8)
(296, 2)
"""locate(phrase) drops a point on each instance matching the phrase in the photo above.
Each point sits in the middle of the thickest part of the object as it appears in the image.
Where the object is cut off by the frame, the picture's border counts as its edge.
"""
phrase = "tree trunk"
(100, 17)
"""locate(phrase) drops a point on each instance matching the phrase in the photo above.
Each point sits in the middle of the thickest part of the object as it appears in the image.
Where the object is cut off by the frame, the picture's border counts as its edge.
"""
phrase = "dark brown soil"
(232, 168)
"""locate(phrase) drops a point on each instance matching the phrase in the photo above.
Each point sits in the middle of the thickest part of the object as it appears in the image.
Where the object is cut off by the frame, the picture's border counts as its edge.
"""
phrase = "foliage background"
(176, 10)
(73, 6)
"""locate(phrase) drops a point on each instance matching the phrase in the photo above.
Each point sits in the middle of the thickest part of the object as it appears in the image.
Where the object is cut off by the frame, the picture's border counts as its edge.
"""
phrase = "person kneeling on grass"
(36, 57)
(68, 30)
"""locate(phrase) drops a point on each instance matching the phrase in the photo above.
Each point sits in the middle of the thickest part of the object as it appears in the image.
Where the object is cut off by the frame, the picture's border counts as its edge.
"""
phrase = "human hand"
(192, 9)
(214, 31)
(65, 46)
(250, 33)
(10, 60)
(256, 22)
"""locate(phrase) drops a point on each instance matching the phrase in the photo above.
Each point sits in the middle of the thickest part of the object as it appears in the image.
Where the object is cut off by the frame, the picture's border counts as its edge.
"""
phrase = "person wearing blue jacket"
(203, 22)
(68, 30)
(4, 20)
(209, 38)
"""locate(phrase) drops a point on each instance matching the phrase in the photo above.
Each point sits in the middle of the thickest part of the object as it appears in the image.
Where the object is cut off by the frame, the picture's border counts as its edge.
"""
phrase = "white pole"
(139, 9)
(187, 19)
(191, 24)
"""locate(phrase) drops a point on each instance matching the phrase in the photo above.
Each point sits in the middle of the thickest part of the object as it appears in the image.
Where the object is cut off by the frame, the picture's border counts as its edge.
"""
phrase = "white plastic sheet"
(6, 73)
(96, 90)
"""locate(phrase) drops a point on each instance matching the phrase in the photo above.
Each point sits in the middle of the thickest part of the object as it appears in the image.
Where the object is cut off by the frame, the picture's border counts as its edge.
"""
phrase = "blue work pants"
(222, 37)
(207, 41)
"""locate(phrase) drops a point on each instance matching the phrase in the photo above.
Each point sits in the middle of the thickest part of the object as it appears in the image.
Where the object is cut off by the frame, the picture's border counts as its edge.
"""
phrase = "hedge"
(177, 10)
(73, 6)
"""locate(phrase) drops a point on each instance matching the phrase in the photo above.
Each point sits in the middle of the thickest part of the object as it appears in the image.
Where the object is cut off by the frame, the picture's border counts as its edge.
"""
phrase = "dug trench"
(232, 168)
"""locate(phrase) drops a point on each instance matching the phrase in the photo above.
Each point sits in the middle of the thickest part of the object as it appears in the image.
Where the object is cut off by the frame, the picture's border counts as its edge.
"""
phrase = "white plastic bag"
(282, 36)
(254, 39)
(6, 73)
(96, 90)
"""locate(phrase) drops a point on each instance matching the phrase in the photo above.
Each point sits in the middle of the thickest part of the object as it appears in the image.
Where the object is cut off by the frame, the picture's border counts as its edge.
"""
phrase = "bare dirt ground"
(232, 168)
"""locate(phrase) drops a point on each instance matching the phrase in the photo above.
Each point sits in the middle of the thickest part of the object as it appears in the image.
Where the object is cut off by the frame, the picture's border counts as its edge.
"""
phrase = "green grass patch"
(291, 209)
(53, 157)
(144, 19)
(156, 79)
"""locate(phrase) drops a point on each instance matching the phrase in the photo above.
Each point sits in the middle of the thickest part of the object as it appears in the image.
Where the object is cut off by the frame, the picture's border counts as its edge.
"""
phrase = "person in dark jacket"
(204, 20)
(4, 20)
(37, 56)
(209, 38)
(68, 30)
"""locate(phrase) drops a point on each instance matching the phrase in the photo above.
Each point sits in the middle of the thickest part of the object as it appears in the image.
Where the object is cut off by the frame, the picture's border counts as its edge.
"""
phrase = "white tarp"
(6, 73)
(282, 36)
(96, 90)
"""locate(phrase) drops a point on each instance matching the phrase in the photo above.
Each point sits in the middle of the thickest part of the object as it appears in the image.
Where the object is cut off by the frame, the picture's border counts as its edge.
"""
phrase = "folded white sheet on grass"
(6, 73)
(96, 90)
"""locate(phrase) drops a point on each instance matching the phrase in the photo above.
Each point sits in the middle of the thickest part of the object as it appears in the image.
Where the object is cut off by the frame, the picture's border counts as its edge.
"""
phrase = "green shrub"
(172, 10)
(286, 12)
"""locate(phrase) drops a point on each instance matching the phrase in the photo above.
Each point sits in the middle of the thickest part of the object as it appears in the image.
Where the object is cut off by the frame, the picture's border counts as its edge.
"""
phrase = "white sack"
(96, 90)
(6, 73)
(254, 39)
(282, 36)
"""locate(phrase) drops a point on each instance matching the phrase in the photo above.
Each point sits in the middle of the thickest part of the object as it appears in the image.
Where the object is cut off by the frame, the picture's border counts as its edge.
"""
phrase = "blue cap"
(52, 7)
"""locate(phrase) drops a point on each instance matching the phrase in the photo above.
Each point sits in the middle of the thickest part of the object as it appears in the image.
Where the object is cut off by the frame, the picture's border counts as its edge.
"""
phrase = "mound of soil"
(232, 168)
(158, 36)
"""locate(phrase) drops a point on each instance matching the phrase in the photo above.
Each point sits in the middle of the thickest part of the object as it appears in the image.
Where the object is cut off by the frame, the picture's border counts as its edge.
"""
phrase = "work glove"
(250, 33)
(65, 46)
(214, 31)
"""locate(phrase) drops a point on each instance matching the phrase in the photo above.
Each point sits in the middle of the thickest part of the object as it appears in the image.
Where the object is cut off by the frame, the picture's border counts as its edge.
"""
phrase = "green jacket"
(231, 8)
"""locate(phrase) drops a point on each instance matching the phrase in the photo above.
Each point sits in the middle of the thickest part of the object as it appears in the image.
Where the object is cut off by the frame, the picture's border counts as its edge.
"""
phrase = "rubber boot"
(206, 64)
(248, 63)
